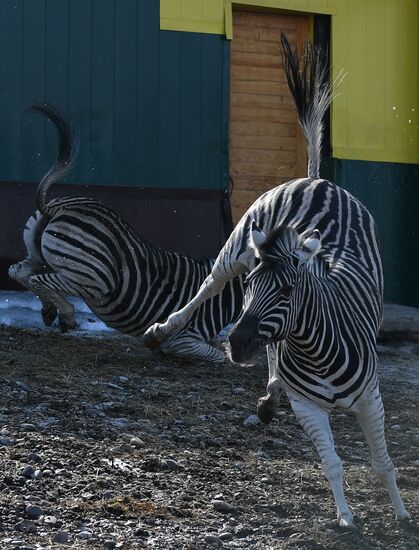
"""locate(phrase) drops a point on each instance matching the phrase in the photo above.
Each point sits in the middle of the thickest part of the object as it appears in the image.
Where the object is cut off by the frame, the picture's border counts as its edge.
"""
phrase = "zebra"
(314, 295)
(77, 246)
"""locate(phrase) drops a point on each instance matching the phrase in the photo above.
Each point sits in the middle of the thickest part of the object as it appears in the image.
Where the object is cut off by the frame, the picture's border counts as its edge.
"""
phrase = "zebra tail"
(67, 153)
(311, 90)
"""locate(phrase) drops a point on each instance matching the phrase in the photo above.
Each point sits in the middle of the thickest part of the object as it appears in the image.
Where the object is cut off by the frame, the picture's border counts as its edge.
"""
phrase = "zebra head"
(275, 289)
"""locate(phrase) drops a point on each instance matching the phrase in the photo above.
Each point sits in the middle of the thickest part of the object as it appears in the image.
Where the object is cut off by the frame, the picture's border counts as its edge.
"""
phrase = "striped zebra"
(79, 247)
(314, 297)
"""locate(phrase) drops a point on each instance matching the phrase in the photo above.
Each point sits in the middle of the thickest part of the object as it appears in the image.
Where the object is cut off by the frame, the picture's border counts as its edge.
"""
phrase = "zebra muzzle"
(245, 339)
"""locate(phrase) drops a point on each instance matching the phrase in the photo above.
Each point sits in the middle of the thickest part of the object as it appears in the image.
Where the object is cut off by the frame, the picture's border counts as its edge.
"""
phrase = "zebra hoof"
(66, 325)
(266, 409)
(49, 313)
(149, 339)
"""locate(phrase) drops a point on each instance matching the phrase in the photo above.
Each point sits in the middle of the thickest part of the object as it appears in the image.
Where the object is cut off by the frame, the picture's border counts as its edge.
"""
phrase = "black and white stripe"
(80, 247)
(314, 295)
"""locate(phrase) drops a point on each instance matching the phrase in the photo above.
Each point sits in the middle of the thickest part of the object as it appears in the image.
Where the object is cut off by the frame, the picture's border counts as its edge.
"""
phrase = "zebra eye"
(286, 290)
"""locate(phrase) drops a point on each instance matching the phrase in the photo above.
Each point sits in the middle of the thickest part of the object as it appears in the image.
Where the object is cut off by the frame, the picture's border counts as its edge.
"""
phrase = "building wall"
(374, 118)
(375, 42)
(147, 104)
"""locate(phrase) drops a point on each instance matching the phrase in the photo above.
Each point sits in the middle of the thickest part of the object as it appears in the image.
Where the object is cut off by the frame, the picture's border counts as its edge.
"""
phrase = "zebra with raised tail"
(80, 247)
(314, 295)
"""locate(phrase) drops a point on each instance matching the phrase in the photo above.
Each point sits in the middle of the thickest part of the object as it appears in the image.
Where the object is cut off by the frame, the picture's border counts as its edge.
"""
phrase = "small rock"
(34, 457)
(28, 427)
(223, 506)
(6, 441)
(396, 427)
(267, 480)
(252, 420)
(50, 520)
(239, 391)
(33, 511)
(38, 474)
(119, 423)
(225, 536)
(213, 540)
(173, 465)
(109, 544)
(114, 386)
(28, 472)
(121, 379)
(137, 442)
(60, 537)
(85, 535)
(244, 532)
(26, 525)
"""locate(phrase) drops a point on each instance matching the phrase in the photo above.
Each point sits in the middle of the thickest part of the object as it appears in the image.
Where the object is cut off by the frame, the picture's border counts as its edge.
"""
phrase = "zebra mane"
(279, 242)
(311, 90)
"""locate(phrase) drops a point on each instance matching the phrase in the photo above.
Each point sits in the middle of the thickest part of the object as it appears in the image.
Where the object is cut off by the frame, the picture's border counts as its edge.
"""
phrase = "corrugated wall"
(149, 105)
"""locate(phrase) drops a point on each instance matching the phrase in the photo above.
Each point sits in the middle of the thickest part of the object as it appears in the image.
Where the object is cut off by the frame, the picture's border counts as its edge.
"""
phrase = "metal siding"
(10, 87)
(390, 192)
(190, 104)
(125, 93)
(33, 84)
(79, 87)
(147, 104)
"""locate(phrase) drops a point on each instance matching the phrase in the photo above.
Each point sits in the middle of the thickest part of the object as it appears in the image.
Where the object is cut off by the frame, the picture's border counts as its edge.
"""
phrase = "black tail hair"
(311, 89)
(67, 153)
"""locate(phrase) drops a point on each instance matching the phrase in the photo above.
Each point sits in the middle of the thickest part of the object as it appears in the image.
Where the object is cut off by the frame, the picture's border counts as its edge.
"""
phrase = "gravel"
(129, 450)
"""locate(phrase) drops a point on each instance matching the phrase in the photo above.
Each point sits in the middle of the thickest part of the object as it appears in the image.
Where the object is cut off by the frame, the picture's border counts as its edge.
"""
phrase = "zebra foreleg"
(370, 414)
(268, 405)
(22, 273)
(315, 422)
(49, 288)
(159, 332)
(184, 346)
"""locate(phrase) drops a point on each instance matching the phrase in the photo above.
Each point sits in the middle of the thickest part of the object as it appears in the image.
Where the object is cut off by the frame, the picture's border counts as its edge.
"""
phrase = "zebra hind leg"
(191, 348)
(370, 414)
(22, 273)
(315, 422)
(50, 287)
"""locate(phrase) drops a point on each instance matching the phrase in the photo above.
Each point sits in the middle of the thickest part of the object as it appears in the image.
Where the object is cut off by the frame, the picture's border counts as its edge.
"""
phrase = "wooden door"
(266, 144)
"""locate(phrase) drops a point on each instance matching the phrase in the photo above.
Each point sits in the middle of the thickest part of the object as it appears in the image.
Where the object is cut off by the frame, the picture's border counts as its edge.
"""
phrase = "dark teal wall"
(390, 191)
(150, 106)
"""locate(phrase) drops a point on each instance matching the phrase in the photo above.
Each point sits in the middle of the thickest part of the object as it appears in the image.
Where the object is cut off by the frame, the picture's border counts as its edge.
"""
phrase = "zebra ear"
(252, 253)
(310, 246)
(256, 238)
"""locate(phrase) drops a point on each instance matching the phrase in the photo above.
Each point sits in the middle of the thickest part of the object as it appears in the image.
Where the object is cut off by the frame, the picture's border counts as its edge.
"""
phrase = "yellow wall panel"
(375, 115)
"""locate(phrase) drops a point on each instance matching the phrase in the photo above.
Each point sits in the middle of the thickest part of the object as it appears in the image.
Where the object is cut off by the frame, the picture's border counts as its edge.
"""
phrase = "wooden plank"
(260, 87)
(254, 128)
(247, 59)
(260, 114)
(258, 169)
(262, 34)
(262, 156)
(262, 100)
(257, 73)
(276, 143)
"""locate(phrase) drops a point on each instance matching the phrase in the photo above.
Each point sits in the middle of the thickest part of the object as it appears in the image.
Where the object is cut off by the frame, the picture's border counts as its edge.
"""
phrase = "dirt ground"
(105, 445)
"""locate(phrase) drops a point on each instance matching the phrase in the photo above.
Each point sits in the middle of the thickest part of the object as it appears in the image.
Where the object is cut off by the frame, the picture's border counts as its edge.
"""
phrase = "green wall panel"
(390, 191)
(148, 105)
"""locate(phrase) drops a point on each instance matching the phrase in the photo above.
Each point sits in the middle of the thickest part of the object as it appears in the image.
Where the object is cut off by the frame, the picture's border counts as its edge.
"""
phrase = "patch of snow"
(22, 309)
